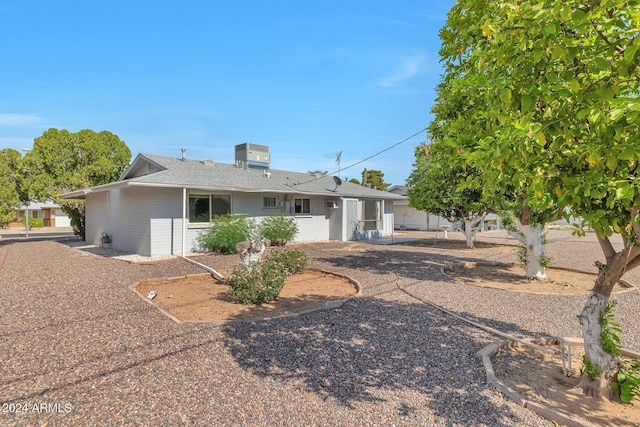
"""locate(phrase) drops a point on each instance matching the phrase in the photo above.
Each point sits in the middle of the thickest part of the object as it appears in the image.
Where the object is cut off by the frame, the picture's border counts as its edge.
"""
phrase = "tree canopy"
(555, 87)
(9, 185)
(372, 178)
(62, 161)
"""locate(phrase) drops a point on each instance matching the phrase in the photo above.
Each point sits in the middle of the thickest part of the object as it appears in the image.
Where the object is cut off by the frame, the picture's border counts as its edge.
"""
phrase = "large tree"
(63, 161)
(442, 187)
(372, 178)
(562, 82)
(9, 185)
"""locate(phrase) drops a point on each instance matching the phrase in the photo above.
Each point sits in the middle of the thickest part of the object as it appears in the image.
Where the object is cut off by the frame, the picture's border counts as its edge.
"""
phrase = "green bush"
(257, 283)
(33, 222)
(262, 282)
(279, 229)
(291, 261)
(225, 233)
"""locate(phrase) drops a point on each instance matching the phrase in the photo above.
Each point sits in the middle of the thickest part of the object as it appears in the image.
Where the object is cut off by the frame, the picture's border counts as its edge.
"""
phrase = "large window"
(302, 206)
(203, 207)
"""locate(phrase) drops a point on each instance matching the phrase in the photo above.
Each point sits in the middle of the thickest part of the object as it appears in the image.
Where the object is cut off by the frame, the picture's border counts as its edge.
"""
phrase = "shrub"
(291, 261)
(225, 233)
(257, 283)
(279, 229)
(33, 222)
(262, 282)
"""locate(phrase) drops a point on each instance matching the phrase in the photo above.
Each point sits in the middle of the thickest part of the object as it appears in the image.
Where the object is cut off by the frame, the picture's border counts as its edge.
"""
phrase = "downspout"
(184, 219)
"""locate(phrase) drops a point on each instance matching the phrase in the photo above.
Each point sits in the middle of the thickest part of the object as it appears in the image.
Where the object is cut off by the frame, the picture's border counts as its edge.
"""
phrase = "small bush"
(33, 222)
(225, 233)
(279, 229)
(291, 261)
(262, 282)
(257, 283)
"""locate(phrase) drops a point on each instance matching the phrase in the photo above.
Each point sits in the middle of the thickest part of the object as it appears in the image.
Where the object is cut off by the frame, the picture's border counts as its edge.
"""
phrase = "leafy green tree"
(372, 178)
(560, 82)
(10, 160)
(62, 161)
(440, 186)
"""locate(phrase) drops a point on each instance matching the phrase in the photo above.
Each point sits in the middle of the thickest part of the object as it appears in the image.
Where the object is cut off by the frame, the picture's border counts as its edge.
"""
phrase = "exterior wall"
(124, 215)
(409, 218)
(149, 221)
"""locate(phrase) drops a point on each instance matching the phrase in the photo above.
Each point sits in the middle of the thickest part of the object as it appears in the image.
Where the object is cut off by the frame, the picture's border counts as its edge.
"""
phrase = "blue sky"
(308, 79)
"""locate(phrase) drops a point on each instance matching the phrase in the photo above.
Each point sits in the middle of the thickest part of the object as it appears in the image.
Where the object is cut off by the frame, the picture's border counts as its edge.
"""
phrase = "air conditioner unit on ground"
(331, 204)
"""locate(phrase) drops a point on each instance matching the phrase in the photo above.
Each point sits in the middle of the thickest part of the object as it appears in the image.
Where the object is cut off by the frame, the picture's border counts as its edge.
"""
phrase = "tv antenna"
(338, 156)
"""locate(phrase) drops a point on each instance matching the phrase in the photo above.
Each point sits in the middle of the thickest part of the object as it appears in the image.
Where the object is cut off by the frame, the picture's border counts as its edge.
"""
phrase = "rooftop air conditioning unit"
(331, 204)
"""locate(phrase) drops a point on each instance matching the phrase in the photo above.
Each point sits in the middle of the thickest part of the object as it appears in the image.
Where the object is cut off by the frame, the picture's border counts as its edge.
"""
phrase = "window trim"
(210, 197)
(265, 205)
(302, 210)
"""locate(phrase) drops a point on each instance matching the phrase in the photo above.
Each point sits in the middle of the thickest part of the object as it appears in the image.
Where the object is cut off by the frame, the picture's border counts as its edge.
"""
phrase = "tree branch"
(606, 246)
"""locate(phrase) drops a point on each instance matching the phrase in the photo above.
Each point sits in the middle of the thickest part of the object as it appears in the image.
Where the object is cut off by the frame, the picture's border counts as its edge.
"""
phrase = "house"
(409, 218)
(51, 214)
(160, 205)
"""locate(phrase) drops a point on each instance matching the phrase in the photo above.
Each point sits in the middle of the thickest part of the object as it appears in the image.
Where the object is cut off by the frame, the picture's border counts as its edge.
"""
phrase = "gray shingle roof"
(206, 175)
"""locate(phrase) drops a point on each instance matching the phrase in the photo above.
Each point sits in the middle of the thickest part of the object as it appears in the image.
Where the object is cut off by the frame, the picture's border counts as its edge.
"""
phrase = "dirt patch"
(512, 277)
(539, 377)
(201, 298)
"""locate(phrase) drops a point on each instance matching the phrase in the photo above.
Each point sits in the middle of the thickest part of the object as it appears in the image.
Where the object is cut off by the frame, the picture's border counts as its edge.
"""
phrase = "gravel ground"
(77, 347)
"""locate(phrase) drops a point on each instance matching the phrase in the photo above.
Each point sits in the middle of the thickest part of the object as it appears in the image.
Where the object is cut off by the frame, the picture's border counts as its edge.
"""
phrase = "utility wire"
(368, 158)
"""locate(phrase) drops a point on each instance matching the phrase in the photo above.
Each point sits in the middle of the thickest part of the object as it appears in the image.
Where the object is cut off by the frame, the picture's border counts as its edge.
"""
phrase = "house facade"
(51, 214)
(161, 205)
(409, 218)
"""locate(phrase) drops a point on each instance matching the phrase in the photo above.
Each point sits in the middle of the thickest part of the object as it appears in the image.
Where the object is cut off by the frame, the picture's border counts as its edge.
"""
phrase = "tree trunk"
(534, 242)
(532, 238)
(608, 365)
(469, 225)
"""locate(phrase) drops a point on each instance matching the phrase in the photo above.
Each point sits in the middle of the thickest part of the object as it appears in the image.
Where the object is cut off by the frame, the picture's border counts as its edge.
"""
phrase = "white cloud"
(408, 68)
(14, 119)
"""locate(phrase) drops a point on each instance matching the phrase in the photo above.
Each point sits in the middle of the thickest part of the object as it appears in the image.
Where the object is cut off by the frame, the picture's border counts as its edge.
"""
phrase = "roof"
(148, 170)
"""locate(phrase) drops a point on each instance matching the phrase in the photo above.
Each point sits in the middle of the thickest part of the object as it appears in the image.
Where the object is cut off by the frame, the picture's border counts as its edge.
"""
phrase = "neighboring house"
(409, 218)
(51, 214)
(160, 205)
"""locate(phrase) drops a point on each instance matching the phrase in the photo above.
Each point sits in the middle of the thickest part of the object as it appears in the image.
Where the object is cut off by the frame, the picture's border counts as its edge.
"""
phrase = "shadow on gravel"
(415, 265)
(370, 348)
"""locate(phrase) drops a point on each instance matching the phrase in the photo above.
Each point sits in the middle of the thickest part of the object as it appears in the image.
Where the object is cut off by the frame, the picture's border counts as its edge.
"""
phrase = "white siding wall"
(406, 217)
(164, 206)
(387, 218)
(149, 221)
(96, 217)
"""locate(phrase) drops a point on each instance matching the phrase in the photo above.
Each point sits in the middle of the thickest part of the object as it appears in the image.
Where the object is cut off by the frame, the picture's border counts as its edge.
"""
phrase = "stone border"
(329, 305)
(444, 270)
(544, 411)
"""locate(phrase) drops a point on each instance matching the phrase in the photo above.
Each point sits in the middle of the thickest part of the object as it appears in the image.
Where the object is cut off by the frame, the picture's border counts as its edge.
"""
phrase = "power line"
(370, 157)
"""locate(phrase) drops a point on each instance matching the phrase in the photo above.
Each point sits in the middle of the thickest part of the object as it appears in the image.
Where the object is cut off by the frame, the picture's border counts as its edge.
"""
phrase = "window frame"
(266, 205)
(210, 197)
(302, 206)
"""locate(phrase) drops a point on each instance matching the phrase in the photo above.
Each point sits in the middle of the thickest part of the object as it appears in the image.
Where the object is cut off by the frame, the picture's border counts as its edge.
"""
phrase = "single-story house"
(160, 205)
(51, 214)
(409, 218)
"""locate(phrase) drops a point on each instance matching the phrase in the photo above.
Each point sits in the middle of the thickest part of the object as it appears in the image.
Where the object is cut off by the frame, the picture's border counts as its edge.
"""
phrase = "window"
(270, 202)
(203, 207)
(371, 215)
(302, 206)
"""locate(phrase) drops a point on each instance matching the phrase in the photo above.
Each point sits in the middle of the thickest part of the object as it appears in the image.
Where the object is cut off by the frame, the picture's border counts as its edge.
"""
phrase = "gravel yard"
(78, 347)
